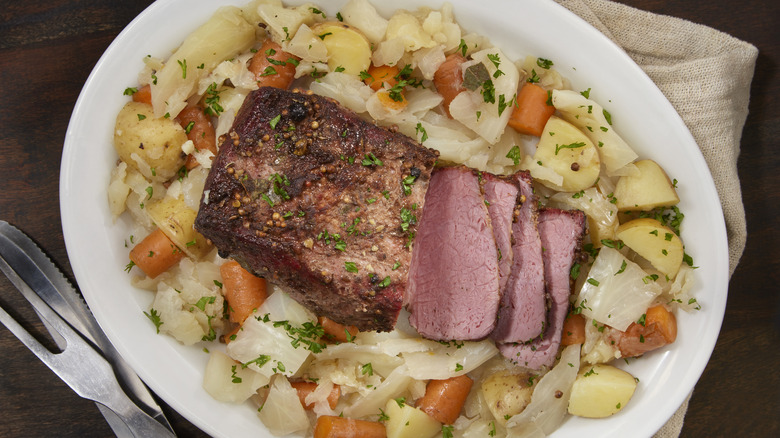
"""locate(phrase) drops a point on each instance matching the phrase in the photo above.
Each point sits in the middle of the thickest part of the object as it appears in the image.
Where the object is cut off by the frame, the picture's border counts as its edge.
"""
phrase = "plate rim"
(71, 216)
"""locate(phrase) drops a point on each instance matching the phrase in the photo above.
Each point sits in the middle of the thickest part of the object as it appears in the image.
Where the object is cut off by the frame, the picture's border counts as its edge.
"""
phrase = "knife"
(35, 268)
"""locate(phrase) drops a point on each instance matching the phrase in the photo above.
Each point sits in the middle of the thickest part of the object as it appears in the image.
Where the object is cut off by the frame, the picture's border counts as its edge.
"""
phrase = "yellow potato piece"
(347, 47)
(600, 391)
(176, 219)
(655, 242)
(570, 153)
(151, 146)
(409, 422)
(507, 394)
(647, 190)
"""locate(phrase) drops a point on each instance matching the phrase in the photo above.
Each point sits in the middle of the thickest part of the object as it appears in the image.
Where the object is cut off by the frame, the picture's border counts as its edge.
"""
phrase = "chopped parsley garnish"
(586, 93)
(129, 91)
(371, 160)
(367, 369)
(544, 63)
(462, 47)
(514, 154)
(307, 335)
(279, 182)
(534, 77)
(607, 116)
(233, 377)
(155, 318)
(211, 98)
(269, 71)
(183, 65)
(407, 219)
(351, 267)
(407, 184)
(141, 117)
(420, 129)
(609, 243)
(274, 121)
(201, 304)
(576, 145)
(575, 271)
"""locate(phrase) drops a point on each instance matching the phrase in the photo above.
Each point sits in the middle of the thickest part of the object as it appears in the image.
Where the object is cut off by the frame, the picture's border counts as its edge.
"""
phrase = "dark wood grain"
(47, 50)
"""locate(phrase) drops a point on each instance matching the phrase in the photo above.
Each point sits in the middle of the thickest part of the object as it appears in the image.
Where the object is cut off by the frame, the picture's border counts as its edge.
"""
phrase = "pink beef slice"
(501, 196)
(561, 232)
(523, 310)
(453, 279)
(310, 196)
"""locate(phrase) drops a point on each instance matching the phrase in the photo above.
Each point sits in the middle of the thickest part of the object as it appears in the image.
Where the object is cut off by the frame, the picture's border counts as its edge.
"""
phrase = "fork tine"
(27, 339)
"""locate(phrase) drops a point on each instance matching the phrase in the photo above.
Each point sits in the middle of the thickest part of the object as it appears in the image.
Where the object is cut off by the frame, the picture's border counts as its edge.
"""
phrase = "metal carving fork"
(80, 365)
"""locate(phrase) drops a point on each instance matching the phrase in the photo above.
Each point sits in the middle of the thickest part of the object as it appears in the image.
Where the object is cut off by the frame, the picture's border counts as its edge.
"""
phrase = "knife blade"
(36, 269)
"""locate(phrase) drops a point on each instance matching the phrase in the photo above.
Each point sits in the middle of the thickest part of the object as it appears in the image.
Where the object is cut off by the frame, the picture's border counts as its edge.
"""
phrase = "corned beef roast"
(561, 233)
(523, 311)
(501, 199)
(319, 201)
(453, 289)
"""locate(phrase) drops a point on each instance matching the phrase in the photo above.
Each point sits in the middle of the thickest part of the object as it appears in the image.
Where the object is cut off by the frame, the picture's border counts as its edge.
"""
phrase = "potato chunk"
(655, 242)
(600, 391)
(570, 153)
(649, 189)
(507, 394)
(347, 47)
(151, 146)
(176, 219)
(409, 422)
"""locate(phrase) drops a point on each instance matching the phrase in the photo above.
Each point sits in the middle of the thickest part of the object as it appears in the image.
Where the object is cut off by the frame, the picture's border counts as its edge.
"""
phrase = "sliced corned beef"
(561, 233)
(523, 310)
(501, 196)
(452, 291)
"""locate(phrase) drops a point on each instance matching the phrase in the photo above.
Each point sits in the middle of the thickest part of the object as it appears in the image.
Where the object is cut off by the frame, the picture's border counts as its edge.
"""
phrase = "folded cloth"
(706, 76)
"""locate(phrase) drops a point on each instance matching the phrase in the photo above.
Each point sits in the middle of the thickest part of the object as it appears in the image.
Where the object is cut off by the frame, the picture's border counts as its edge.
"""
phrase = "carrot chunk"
(199, 129)
(155, 254)
(243, 291)
(381, 76)
(329, 426)
(532, 111)
(448, 79)
(336, 332)
(663, 321)
(272, 66)
(305, 388)
(573, 330)
(143, 95)
(659, 329)
(444, 399)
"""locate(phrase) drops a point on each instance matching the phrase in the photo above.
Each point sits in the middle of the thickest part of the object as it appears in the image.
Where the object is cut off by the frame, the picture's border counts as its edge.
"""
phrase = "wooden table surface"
(47, 50)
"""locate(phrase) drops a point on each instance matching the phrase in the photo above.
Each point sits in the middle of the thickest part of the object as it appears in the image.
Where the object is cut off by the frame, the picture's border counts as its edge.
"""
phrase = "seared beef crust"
(309, 195)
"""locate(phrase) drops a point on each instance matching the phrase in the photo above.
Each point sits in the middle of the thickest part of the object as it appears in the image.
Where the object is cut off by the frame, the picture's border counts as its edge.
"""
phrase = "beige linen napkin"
(706, 75)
